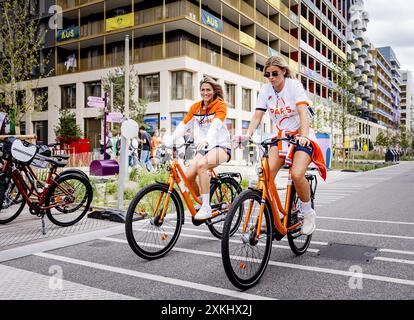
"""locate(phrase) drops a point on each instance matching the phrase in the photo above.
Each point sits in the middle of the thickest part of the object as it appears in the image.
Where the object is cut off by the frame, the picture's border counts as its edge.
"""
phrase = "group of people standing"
(143, 150)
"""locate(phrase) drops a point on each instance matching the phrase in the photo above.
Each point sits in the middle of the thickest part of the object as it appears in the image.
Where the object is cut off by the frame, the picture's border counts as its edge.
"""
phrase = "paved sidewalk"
(17, 284)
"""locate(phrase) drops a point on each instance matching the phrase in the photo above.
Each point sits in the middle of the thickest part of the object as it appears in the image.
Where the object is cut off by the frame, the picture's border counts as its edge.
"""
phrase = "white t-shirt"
(282, 106)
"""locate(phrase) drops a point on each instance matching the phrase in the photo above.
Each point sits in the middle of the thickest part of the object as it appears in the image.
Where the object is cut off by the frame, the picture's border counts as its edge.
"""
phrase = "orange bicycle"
(246, 252)
(156, 214)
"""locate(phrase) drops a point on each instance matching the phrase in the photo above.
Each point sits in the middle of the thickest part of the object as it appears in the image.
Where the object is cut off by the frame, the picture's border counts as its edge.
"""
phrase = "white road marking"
(149, 276)
(366, 220)
(301, 267)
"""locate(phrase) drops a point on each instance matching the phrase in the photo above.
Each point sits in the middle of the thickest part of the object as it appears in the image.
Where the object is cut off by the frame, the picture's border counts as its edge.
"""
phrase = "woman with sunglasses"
(208, 118)
(288, 105)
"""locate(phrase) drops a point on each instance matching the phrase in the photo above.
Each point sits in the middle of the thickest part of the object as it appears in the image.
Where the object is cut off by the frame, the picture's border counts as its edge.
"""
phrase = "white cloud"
(392, 24)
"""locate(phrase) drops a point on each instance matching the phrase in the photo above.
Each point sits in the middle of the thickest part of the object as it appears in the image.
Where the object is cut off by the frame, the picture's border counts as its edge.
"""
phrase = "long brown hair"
(217, 88)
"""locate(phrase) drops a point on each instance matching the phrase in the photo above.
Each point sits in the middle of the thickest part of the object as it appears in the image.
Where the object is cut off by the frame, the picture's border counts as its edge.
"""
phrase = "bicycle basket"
(23, 151)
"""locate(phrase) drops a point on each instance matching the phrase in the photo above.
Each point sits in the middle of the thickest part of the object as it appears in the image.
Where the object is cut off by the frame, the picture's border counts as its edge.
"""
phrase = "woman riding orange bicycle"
(208, 118)
(288, 105)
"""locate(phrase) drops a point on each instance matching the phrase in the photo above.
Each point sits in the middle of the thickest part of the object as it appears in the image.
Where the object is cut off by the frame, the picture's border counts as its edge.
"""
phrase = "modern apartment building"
(407, 100)
(389, 55)
(362, 63)
(173, 44)
(322, 44)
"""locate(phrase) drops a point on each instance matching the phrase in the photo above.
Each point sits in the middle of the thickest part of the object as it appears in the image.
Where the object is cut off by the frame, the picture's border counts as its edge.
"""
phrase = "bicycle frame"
(270, 195)
(177, 176)
(37, 206)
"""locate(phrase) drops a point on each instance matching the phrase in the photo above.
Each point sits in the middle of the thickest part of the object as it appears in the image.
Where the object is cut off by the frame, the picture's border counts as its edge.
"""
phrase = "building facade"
(173, 44)
(407, 100)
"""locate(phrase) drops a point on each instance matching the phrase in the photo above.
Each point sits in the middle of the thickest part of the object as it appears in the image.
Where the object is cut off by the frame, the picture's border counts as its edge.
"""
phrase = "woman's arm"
(255, 122)
(304, 123)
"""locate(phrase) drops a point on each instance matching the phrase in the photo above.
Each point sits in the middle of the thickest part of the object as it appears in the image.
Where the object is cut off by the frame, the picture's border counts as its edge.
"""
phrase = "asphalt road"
(373, 209)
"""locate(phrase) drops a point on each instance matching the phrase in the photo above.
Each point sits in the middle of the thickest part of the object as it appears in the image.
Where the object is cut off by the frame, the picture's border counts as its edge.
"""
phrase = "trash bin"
(389, 156)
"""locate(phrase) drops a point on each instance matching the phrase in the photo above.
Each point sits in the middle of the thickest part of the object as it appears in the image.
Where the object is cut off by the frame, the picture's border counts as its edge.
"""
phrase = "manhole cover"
(339, 251)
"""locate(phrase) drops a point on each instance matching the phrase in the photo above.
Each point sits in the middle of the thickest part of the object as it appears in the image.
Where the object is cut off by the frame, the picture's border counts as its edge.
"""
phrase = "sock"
(306, 206)
(206, 199)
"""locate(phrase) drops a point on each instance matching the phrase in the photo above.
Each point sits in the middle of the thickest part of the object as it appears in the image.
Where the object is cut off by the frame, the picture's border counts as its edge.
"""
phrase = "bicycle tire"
(87, 181)
(293, 218)
(216, 229)
(49, 198)
(4, 188)
(142, 249)
(228, 256)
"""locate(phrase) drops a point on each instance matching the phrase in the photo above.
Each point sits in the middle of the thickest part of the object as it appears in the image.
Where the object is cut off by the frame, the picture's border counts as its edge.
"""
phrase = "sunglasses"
(274, 74)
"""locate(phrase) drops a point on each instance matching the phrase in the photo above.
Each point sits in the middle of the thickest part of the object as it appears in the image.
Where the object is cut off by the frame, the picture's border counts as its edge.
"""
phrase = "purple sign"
(114, 117)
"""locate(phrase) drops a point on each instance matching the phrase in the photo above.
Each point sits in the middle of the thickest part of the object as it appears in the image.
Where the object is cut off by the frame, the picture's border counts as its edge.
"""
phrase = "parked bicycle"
(64, 197)
(156, 214)
(246, 252)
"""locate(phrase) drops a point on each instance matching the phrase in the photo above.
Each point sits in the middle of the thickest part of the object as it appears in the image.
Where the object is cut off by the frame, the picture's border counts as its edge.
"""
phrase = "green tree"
(20, 43)
(67, 130)
(345, 107)
(137, 107)
(405, 137)
(382, 140)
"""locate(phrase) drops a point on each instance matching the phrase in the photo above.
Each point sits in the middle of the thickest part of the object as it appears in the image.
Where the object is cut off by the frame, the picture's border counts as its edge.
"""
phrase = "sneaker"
(204, 213)
(197, 206)
(309, 224)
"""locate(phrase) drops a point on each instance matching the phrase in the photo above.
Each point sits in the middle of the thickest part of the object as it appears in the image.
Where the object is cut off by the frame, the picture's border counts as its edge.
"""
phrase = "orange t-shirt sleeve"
(221, 111)
(190, 114)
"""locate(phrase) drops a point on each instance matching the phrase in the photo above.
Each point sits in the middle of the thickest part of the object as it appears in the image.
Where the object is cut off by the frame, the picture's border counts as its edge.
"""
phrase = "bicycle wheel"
(222, 195)
(244, 258)
(72, 196)
(11, 201)
(82, 201)
(147, 236)
(298, 242)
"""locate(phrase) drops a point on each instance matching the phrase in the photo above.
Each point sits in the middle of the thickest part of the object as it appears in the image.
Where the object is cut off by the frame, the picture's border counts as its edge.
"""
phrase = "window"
(40, 98)
(176, 118)
(92, 89)
(153, 121)
(149, 87)
(247, 100)
(230, 94)
(182, 85)
(69, 96)
(40, 130)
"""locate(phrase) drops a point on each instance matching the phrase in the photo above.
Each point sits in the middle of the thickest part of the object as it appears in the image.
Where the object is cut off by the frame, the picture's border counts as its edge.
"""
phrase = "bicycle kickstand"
(43, 225)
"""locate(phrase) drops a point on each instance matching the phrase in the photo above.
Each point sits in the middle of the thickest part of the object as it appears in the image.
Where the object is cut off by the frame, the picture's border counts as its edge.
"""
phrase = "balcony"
(360, 63)
(234, 3)
(230, 31)
(363, 79)
(357, 46)
(262, 20)
(262, 48)
(92, 63)
(247, 71)
(230, 64)
(149, 53)
(366, 69)
(363, 53)
(182, 48)
(247, 9)
(350, 38)
(67, 4)
(211, 57)
(92, 28)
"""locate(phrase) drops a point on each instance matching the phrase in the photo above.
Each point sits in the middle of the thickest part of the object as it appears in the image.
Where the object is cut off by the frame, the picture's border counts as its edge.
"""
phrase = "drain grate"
(340, 251)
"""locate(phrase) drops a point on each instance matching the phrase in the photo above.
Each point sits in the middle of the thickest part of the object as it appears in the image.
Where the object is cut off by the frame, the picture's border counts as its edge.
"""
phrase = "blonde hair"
(279, 61)
(217, 88)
